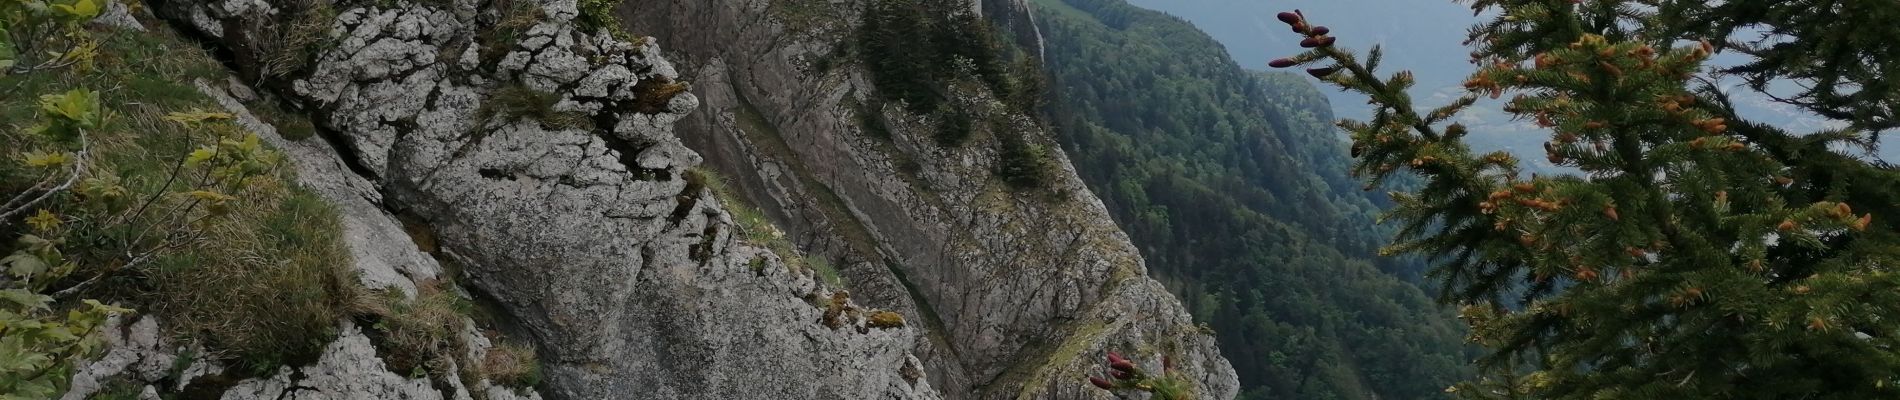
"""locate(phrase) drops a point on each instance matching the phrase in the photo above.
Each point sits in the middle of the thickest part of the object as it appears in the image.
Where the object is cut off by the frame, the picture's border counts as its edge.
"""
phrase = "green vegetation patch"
(520, 101)
(913, 48)
(172, 209)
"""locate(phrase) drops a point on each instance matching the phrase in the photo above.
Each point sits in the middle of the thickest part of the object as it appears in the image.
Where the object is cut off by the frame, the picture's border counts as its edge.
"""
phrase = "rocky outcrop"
(1025, 289)
(137, 352)
(543, 163)
(350, 369)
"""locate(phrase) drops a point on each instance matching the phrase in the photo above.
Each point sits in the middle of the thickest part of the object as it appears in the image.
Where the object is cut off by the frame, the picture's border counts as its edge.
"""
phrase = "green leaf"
(199, 156)
(80, 10)
(106, 308)
(59, 334)
(25, 299)
(196, 116)
(47, 159)
(8, 55)
(35, 243)
(23, 265)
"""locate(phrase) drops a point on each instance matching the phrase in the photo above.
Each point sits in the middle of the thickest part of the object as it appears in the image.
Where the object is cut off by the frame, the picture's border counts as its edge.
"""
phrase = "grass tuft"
(886, 320)
(269, 288)
(302, 33)
(520, 101)
(653, 96)
(825, 272)
(758, 230)
(421, 333)
(512, 19)
(511, 365)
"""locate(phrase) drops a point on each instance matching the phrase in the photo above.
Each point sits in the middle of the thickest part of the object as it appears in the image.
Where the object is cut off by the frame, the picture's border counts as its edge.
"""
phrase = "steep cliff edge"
(1022, 289)
(534, 149)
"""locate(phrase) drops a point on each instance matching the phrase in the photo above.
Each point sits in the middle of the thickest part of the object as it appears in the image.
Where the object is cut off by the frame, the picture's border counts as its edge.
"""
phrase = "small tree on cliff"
(1698, 254)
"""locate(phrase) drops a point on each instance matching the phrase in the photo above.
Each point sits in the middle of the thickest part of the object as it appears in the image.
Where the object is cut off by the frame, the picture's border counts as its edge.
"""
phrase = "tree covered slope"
(1233, 182)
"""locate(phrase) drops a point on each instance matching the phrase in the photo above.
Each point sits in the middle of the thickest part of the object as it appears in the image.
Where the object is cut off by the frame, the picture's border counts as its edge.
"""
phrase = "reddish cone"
(1289, 18)
(1123, 366)
(1101, 383)
(1319, 30)
(1310, 42)
(1327, 41)
(1321, 73)
(1114, 357)
(1118, 374)
(1282, 63)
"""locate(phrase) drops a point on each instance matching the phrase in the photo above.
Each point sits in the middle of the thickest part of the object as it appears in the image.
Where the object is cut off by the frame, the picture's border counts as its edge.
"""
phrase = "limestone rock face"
(1024, 290)
(577, 216)
(545, 166)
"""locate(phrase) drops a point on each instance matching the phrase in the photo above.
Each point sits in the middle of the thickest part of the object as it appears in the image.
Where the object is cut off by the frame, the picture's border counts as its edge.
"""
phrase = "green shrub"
(137, 195)
(871, 121)
(954, 126)
(599, 15)
(1021, 163)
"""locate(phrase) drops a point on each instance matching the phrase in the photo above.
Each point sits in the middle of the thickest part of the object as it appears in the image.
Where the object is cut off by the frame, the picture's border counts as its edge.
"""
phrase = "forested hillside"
(1233, 182)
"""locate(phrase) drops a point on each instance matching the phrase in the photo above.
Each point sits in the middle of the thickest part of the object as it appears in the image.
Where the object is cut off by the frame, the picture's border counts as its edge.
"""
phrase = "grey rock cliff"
(1024, 291)
(632, 280)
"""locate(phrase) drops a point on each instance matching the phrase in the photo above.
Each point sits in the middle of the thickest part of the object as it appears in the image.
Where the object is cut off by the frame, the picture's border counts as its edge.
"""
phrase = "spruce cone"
(1289, 17)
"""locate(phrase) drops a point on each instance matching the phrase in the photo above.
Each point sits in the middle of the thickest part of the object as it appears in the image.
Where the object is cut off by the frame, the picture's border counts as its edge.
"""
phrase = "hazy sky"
(1425, 36)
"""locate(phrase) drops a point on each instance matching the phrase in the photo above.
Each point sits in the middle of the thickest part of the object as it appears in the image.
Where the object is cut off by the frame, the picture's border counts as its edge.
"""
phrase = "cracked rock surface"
(632, 280)
(1027, 288)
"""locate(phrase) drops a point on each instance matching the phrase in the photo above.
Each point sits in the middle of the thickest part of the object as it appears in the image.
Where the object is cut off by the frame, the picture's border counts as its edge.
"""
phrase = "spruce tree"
(1697, 254)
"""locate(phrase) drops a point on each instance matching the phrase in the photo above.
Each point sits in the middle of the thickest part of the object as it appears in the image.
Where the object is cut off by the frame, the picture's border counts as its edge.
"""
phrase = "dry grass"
(886, 320)
(300, 35)
(512, 365)
(512, 19)
(422, 333)
(652, 96)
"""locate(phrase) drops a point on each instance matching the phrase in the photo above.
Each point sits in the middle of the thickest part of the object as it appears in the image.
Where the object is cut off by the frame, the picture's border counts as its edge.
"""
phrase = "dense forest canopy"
(1234, 183)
